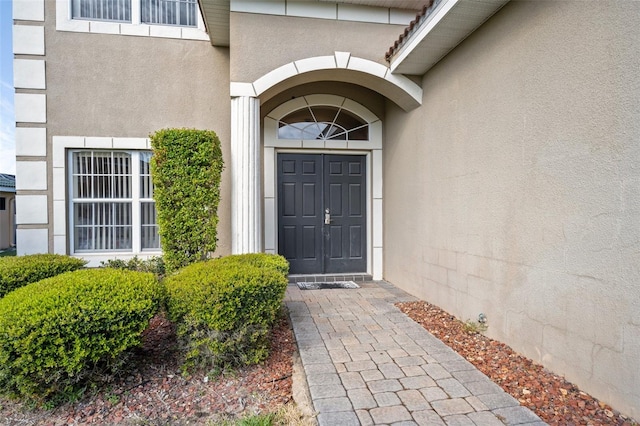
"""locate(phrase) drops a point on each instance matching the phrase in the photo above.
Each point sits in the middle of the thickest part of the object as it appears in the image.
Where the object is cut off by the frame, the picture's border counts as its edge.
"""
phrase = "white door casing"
(372, 148)
(343, 67)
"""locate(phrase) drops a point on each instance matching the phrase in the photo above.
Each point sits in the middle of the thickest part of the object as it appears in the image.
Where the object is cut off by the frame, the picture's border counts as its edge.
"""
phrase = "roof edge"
(215, 14)
(427, 9)
(442, 25)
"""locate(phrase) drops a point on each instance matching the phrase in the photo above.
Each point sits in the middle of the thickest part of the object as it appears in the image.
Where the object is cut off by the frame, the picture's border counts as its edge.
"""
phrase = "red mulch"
(551, 397)
(157, 394)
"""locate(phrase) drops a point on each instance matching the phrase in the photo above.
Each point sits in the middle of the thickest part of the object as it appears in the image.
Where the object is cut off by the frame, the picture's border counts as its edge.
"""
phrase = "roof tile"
(426, 11)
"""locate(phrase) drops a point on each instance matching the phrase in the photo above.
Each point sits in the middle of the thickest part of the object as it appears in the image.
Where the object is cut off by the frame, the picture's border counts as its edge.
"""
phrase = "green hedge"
(224, 308)
(19, 271)
(186, 167)
(154, 264)
(56, 333)
(260, 260)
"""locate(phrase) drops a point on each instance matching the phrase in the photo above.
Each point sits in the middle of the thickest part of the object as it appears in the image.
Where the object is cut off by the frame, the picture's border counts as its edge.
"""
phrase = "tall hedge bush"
(18, 271)
(225, 308)
(186, 168)
(56, 333)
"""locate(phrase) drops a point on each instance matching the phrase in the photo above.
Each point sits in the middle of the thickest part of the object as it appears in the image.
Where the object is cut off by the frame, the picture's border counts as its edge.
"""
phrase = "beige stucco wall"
(124, 86)
(515, 189)
(262, 43)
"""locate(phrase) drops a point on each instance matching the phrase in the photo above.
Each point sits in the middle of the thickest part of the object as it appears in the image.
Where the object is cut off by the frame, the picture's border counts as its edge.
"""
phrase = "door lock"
(327, 217)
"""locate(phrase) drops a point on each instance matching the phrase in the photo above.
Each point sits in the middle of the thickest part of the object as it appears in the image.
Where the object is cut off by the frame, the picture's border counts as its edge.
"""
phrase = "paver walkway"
(368, 363)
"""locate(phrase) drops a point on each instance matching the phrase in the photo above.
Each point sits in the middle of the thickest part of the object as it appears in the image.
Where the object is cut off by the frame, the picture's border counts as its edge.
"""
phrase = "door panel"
(346, 199)
(300, 216)
(289, 197)
(335, 242)
(355, 238)
(307, 185)
(288, 237)
(355, 197)
(309, 246)
(309, 201)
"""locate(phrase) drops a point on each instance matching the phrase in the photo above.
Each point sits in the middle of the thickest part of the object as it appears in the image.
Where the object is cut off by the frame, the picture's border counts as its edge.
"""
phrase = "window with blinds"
(112, 202)
(164, 12)
(102, 10)
(170, 12)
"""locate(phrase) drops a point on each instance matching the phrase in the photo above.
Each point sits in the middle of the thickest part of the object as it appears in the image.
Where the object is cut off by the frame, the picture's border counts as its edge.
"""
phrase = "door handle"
(327, 217)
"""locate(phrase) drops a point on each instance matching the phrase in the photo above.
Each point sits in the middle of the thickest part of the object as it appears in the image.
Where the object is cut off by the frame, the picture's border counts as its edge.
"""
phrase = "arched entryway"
(323, 185)
(253, 146)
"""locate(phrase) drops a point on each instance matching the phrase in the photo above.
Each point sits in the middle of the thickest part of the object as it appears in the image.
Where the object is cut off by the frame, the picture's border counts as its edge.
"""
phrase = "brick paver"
(362, 399)
(448, 407)
(413, 400)
(367, 363)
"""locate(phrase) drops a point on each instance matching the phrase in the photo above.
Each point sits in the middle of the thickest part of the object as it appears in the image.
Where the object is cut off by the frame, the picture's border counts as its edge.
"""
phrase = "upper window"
(164, 12)
(3, 203)
(112, 205)
(102, 10)
(323, 123)
(170, 12)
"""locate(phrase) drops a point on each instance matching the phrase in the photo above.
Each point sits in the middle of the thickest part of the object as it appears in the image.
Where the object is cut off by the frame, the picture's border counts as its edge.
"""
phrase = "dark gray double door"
(322, 212)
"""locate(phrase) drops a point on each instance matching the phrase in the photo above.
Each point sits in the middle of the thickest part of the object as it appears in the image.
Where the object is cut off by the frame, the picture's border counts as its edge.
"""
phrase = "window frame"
(135, 199)
(311, 120)
(186, 2)
(117, 21)
(66, 22)
(143, 200)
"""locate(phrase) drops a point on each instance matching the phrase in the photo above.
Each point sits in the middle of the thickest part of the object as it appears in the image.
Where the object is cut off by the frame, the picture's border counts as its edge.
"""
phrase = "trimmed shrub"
(19, 271)
(260, 260)
(155, 265)
(56, 333)
(224, 309)
(186, 167)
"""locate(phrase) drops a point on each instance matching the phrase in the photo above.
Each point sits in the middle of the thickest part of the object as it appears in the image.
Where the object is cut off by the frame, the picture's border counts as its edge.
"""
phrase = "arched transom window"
(322, 122)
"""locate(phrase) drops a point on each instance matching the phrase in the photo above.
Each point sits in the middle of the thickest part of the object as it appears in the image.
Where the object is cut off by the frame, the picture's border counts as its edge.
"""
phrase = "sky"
(7, 124)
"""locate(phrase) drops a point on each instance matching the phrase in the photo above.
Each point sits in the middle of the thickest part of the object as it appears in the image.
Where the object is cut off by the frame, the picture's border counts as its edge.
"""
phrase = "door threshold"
(328, 278)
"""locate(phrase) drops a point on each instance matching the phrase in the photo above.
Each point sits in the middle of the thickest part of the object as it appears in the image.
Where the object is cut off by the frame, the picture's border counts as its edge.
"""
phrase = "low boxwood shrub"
(19, 271)
(224, 309)
(154, 264)
(58, 333)
(260, 260)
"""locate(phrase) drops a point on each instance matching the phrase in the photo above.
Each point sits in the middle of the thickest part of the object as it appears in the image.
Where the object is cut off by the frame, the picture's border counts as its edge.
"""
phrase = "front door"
(322, 213)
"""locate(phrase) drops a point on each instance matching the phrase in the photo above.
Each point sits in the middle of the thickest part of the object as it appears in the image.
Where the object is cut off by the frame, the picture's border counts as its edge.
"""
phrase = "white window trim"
(326, 10)
(135, 200)
(61, 198)
(64, 22)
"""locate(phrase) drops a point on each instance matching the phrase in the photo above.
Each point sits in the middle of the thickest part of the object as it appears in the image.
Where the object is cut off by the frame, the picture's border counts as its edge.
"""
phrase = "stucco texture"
(515, 189)
(262, 43)
(125, 86)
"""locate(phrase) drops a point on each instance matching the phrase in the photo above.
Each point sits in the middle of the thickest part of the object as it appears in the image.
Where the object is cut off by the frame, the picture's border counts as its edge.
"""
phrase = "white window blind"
(102, 10)
(150, 238)
(109, 211)
(170, 12)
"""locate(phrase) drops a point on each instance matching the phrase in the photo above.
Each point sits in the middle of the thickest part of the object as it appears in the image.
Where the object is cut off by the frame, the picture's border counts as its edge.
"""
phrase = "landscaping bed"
(154, 392)
(551, 397)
